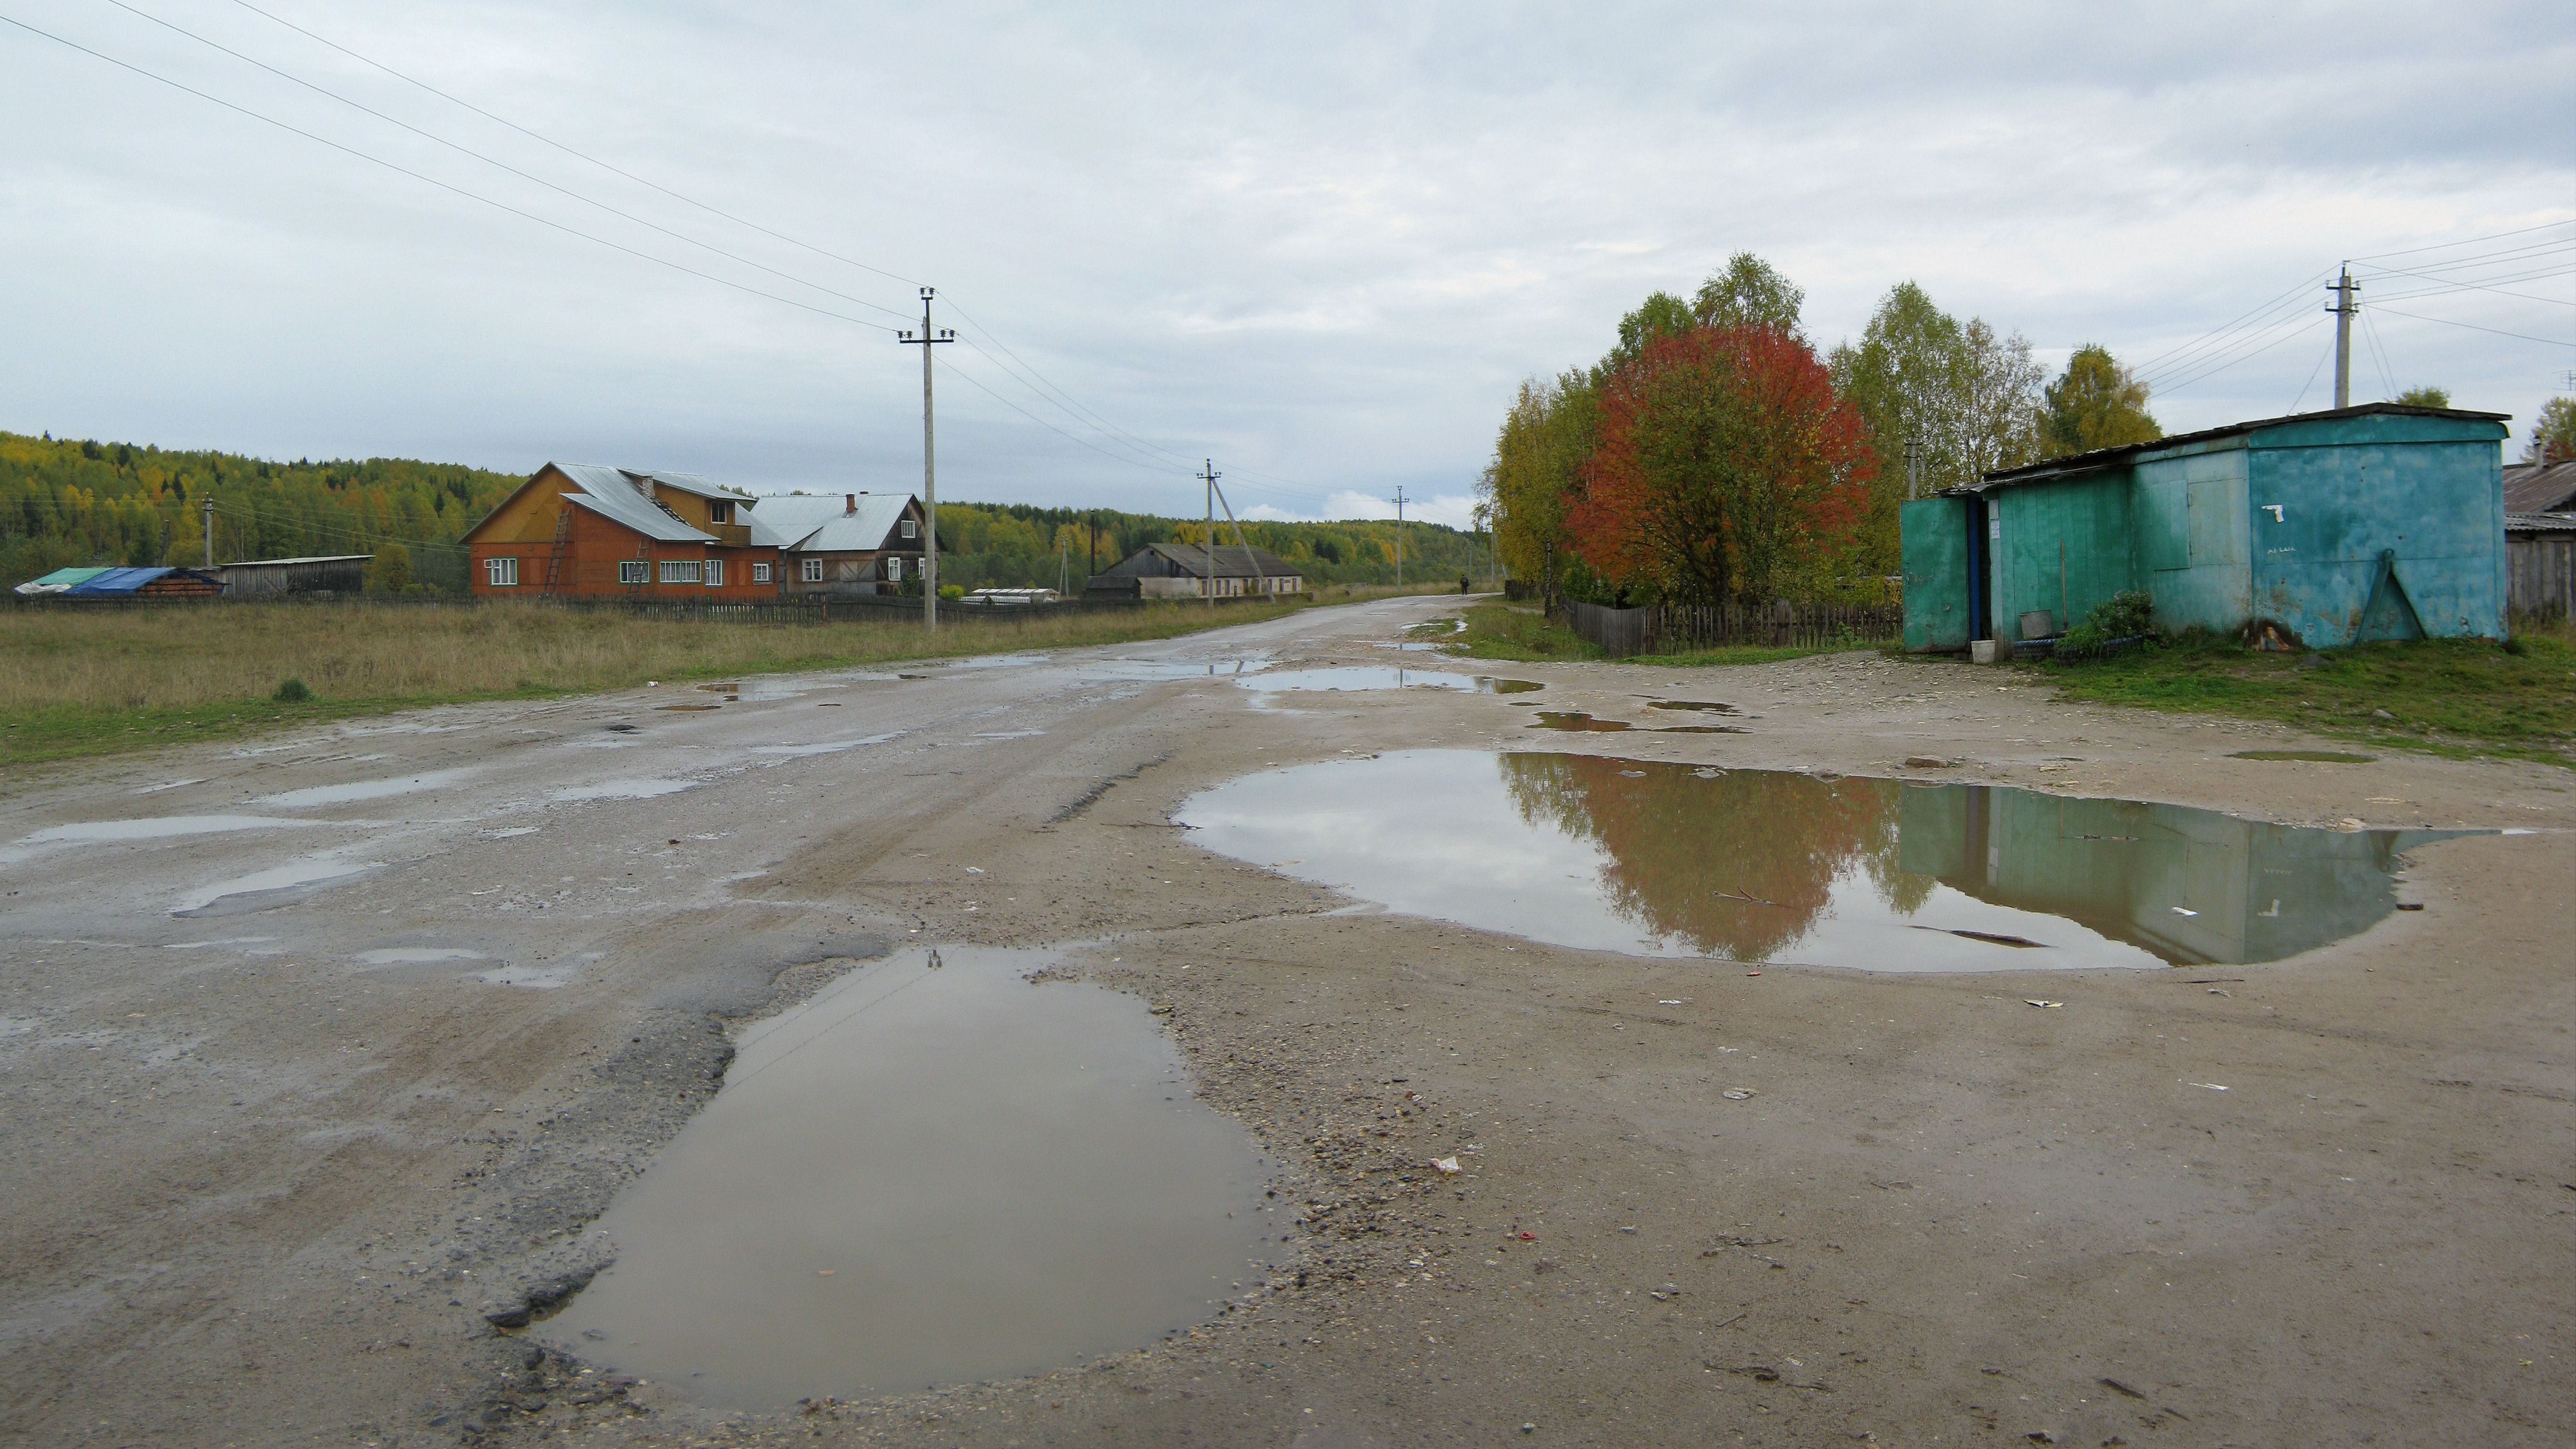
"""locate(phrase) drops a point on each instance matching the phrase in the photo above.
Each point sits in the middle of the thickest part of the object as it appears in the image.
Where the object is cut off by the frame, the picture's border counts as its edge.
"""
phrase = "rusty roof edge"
(2105, 457)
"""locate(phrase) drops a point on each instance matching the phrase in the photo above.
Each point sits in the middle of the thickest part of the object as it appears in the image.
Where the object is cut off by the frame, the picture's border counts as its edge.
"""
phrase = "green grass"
(1519, 632)
(80, 683)
(2456, 697)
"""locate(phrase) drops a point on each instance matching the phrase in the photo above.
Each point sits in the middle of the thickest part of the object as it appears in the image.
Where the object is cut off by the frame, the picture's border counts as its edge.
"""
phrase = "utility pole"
(929, 467)
(1399, 535)
(1207, 540)
(2346, 305)
(209, 507)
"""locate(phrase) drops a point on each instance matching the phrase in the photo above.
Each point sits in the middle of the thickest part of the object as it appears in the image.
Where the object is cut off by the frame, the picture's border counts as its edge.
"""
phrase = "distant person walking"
(1462, 583)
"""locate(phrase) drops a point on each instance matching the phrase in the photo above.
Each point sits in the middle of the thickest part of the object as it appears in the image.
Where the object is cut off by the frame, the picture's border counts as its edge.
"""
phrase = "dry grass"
(81, 682)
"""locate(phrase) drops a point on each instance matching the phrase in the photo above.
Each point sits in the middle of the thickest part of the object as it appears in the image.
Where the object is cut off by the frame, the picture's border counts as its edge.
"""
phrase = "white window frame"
(719, 511)
(760, 573)
(813, 571)
(634, 571)
(683, 570)
(911, 528)
(894, 569)
(715, 573)
(501, 571)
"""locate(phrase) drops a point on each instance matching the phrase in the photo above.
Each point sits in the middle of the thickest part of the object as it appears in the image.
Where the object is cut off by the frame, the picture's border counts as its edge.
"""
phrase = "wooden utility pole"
(929, 467)
(1207, 540)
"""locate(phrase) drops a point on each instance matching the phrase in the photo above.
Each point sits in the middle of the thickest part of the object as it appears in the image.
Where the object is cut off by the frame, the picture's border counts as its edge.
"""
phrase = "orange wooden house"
(576, 530)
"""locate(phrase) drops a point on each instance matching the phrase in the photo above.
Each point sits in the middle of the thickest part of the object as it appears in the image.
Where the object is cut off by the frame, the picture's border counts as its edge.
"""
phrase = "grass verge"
(77, 683)
(2457, 697)
(1520, 632)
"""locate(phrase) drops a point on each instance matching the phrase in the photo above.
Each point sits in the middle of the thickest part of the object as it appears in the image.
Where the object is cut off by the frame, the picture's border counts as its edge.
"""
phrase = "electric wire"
(2312, 376)
(2474, 327)
(2465, 241)
(2214, 370)
(441, 185)
(463, 150)
(2387, 374)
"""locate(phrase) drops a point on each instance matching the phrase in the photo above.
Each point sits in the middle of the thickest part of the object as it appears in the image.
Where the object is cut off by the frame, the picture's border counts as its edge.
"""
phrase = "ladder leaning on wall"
(555, 559)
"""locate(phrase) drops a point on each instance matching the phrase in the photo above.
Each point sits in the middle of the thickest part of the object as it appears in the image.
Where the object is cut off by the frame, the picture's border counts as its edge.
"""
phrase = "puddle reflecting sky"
(1755, 865)
(1384, 676)
(927, 1176)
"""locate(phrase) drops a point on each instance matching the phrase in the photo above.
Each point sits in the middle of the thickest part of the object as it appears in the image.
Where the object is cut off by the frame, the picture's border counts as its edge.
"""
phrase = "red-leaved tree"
(1726, 469)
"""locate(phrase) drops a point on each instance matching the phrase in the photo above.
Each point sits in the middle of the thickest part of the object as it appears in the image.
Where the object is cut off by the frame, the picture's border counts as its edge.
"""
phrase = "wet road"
(320, 1052)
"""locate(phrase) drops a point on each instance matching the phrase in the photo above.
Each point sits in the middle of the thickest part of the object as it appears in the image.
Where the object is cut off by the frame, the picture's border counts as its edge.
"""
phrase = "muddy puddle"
(1156, 669)
(1384, 676)
(1661, 859)
(928, 1176)
(2314, 757)
(1581, 723)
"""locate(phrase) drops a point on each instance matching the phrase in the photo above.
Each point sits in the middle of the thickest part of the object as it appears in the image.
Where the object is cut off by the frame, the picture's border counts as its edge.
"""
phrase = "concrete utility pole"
(2346, 305)
(1207, 541)
(1913, 467)
(209, 507)
(929, 467)
(1399, 535)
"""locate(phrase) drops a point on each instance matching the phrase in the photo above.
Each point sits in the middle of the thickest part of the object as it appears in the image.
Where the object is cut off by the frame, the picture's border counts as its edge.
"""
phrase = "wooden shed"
(2540, 564)
(339, 573)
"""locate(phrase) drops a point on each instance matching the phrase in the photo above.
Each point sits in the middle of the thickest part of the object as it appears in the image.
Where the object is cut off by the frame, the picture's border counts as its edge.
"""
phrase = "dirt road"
(346, 1052)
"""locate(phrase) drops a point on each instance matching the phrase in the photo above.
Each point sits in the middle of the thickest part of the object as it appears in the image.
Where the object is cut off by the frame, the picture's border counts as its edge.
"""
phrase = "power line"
(441, 185)
(579, 155)
(2472, 326)
(495, 162)
(2465, 241)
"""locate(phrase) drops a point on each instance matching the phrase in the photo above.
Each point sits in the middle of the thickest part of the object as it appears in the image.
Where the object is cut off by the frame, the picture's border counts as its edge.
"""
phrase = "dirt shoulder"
(1940, 1213)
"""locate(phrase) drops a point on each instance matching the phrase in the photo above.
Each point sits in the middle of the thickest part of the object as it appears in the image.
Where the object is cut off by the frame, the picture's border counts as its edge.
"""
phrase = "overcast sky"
(1319, 243)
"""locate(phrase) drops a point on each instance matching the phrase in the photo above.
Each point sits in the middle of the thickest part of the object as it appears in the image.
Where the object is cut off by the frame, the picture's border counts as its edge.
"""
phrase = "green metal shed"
(2316, 530)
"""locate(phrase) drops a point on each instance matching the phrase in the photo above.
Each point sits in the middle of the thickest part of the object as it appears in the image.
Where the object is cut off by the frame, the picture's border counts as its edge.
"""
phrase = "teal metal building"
(2316, 530)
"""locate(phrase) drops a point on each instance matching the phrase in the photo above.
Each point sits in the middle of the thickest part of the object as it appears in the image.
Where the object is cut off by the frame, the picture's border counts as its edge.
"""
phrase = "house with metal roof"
(124, 583)
(2315, 530)
(2540, 487)
(579, 530)
(855, 543)
(1194, 571)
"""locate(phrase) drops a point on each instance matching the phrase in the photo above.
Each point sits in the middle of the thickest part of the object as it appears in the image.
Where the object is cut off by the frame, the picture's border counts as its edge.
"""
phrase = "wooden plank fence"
(1780, 625)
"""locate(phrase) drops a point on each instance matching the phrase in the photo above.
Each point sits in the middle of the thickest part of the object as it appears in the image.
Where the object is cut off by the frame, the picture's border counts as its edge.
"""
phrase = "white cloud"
(1322, 243)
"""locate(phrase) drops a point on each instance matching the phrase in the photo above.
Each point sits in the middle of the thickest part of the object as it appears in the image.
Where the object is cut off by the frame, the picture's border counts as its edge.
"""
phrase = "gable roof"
(698, 484)
(2540, 488)
(625, 504)
(1192, 560)
(2101, 457)
(828, 524)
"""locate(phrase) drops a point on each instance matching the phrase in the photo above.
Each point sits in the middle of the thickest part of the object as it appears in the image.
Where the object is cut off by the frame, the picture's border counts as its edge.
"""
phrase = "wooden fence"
(1782, 625)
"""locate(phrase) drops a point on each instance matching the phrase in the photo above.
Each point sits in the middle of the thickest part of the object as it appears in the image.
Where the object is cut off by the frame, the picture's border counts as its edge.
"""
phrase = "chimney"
(849, 504)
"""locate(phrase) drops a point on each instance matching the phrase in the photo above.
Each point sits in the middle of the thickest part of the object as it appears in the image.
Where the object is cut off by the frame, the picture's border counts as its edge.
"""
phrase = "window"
(682, 570)
(719, 511)
(501, 573)
(715, 573)
(912, 528)
(631, 571)
(760, 573)
(894, 570)
(813, 571)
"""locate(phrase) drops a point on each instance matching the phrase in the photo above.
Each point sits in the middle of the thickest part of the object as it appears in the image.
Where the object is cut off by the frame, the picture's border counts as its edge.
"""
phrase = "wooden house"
(1191, 571)
(853, 543)
(576, 530)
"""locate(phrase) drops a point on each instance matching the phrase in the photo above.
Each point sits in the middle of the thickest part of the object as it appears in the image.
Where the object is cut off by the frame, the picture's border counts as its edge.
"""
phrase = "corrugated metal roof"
(2101, 457)
(696, 483)
(2529, 488)
(1192, 560)
(827, 525)
(319, 558)
(621, 502)
(2540, 523)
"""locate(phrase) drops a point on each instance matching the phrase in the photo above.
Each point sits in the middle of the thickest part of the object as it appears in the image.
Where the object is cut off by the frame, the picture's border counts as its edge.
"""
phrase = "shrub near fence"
(1781, 625)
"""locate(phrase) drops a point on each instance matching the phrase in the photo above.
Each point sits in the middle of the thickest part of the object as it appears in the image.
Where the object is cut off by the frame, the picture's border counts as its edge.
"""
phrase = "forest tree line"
(1714, 455)
(66, 502)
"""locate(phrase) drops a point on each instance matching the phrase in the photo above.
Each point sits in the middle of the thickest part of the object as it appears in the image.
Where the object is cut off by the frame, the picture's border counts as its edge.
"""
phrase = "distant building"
(856, 543)
(340, 573)
(124, 583)
(2540, 487)
(1185, 571)
(575, 530)
(2316, 530)
(2540, 564)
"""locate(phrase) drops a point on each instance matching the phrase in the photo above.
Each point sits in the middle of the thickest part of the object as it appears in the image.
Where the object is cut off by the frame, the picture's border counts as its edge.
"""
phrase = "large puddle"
(1384, 676)
(927, 1176)
(1759, 865)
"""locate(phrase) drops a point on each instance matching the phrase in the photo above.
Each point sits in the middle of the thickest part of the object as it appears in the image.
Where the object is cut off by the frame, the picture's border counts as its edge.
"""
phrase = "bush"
(293, 691)
(2130, 615)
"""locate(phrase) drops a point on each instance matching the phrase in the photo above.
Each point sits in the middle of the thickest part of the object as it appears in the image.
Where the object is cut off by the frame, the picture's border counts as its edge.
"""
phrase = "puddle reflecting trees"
(1752, 865)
